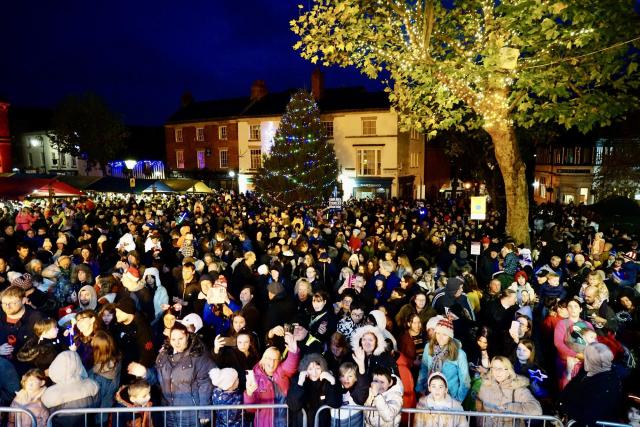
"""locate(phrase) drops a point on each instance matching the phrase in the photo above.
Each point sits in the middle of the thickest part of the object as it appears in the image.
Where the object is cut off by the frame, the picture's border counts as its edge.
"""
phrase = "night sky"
(142, 55)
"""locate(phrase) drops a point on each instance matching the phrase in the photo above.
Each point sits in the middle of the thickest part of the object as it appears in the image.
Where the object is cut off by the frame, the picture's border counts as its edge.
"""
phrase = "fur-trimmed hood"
(368, 329)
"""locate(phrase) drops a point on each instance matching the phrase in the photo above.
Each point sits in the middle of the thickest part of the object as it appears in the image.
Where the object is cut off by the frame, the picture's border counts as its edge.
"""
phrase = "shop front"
(372, 187)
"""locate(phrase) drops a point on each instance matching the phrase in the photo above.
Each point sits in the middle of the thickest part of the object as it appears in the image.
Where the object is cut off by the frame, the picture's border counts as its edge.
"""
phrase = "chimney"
(258, 90)
(186, 99)
(317, 84)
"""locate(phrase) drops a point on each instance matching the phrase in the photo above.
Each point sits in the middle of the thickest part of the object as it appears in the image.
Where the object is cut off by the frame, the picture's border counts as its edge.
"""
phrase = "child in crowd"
(226, 392)
(385, 394)
(355, 389)
(439, 399)
(28, 397)
(136, 395)
(354, 320)
(40, 350)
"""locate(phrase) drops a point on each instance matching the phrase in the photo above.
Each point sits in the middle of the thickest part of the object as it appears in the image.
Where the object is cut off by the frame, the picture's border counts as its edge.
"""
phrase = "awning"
(18, 187)
(109, 184)
(77, 181)
(187, 186)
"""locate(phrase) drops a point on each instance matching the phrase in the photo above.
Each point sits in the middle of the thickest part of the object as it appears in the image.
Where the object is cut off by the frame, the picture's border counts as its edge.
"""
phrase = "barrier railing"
(168, 416)
(349, 416)
(18, 414)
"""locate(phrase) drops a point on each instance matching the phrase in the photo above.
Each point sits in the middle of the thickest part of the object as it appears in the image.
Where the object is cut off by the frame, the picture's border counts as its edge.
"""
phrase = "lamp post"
(37, 142)
(130, 164)
(232, 175)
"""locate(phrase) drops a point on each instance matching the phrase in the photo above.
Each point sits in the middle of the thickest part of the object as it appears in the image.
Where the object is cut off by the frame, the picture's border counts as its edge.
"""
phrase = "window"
(54, 159)
(180, 159)
(328, 128)
(254, 132)
(63, 159)
(222, 132)
(43, 161)
(584, 195)
(256, 159)
(368, 126)
(543, 187)
(199, 134)
(178, 135)
(74, 161)
(369, 162)
(30, 159)
(414, 134)
(224, 158)
(200, 159)
(414, 160)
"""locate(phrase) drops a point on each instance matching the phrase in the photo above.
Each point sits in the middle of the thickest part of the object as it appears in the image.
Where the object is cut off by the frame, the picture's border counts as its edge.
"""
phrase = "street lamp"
(37, 142)
(130, 164)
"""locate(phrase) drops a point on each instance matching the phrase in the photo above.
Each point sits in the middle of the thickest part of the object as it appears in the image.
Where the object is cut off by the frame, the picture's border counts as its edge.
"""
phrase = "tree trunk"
(513, 169)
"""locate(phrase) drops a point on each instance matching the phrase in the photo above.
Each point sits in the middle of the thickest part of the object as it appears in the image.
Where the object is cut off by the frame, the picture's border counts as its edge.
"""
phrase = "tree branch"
(428, 18)
(575, 88)
(515, 102)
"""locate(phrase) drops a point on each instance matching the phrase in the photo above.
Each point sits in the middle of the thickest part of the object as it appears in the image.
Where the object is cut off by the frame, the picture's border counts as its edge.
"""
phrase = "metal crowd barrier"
(17, 413)
(123, 417)
(437, 418)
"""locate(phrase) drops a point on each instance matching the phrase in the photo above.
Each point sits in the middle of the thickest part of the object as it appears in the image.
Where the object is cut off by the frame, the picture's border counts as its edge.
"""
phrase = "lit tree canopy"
(85, 126)
(486, 63)
(302, 164)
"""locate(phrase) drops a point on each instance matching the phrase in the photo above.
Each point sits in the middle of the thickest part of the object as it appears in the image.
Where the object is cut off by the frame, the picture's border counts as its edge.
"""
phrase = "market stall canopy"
(80, 182)
(109, 184)
(17, 187)
(187, 185)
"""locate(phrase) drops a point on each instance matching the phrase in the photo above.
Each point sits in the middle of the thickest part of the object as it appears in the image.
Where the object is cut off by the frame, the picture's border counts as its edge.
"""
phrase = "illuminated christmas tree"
(302, 165)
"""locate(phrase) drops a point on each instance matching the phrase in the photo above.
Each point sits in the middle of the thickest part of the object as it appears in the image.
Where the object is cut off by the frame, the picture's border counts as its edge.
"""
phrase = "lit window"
(414, 160)
(200, 134)
(222, 132)
(200, 159)
(180, 159)
(368, 126)
(369, 162)
(224, 158)
(254, 132)
(256, 159)
(414, 134)
(328, 127)
(179, 135)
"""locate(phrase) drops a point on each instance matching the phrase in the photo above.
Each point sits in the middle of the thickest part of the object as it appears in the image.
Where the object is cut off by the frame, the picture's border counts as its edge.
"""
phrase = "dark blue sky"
(141, 55)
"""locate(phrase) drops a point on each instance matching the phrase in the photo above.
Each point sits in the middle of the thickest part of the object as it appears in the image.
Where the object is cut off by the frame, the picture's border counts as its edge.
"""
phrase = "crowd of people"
(201, 300)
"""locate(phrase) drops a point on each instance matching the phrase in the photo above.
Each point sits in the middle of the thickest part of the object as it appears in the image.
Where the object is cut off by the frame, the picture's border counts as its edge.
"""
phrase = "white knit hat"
(433, 322)
(223, 378)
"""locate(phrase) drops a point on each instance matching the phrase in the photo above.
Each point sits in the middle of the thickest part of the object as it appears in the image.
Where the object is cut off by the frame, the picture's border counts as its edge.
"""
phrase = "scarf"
(440, 355)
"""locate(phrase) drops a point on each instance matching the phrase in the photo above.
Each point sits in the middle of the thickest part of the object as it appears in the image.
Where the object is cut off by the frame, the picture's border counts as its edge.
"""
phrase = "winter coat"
(266, 393)
(227, 418)
(388, 406)
(160, 295)
(280, 310)
(72, 389)
(439, 420)
(512, 395)
(380, 356)
(455, 371)
(310, 397)
(108, 380)
(142, 419)
(36, 407)
(40, 353)
(184, 381)
(590, 399)
(404, 370)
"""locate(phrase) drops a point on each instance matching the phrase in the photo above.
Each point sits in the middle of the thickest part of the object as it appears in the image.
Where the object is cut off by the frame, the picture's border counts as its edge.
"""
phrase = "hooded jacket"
(380, 356)
(512, 395)
(160, 295)
(93, 301)
(388, 406)
(72, 388)
(142, 419)
(439, 420)
(455, 371)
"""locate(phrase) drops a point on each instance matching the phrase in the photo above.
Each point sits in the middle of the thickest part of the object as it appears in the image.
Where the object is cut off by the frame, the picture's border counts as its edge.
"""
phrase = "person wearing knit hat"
(444, 354)
(131, 278)
(226, 391)
(525, 293)
(439, 400)
(127, 306)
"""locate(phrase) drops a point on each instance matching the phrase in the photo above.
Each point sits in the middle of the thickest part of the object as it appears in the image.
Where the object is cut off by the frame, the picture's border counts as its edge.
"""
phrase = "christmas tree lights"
(302, 165)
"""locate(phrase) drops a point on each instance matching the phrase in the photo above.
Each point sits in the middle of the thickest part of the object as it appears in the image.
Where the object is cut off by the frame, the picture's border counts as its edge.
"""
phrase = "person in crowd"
(40, 350)
(438, 399)
(269, 381)
(595, 394)
(570, 344)
(355, 391)
(71, 389)
(412, 342)
(182, 372)
(503, 391)
(226, 392)
(239, 353)
(385, 395)
(352, 321)
(135, 395)
(525, 364)
(105, 371)
(315, 386)
(368, 344)
(444, 354)
(29, 397)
